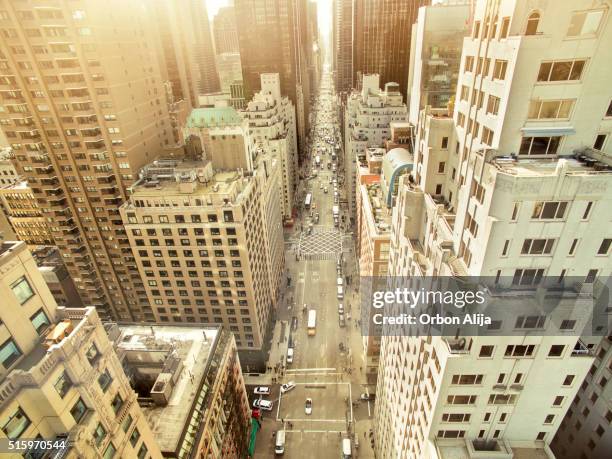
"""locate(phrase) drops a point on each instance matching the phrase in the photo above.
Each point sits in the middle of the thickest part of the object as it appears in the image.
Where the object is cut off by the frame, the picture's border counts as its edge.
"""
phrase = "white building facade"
(272, 130)
(367, 120)
(515, 187)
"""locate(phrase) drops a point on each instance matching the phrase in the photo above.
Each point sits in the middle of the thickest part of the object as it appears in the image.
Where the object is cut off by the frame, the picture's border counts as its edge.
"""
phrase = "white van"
(340, 294)
(290, 355)
(346, 448)
(279, 448)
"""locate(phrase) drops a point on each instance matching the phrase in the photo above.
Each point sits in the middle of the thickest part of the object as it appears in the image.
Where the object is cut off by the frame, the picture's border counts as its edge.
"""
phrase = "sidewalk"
(278, 351)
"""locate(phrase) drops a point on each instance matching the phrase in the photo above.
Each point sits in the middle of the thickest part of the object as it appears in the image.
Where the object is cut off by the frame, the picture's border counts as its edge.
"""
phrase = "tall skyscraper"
(381, 39)
(343, 45)
(209, 242)
(203, 48)
(185, 47)
(515, 187)
(83, 118)
(437, 40)
(273, 39)
(224, 31)
(367, 123)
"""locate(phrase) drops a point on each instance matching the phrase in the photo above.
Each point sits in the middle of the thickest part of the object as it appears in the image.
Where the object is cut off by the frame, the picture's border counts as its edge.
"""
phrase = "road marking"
(314, 431)
(293, 370)
(312, 420)
(315, 374)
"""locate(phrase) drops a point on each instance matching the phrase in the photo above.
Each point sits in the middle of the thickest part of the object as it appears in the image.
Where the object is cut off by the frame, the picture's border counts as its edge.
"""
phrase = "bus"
(312, 322)
(308, 200)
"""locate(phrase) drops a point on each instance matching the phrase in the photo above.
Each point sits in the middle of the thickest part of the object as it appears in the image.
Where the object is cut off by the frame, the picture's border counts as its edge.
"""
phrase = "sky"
(323, 10)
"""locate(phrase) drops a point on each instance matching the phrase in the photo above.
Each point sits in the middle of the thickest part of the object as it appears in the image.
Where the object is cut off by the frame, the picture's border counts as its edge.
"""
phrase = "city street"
(326, 366)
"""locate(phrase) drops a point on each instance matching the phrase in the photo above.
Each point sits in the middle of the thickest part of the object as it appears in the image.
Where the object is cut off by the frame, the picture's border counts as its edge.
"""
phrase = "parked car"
(340, 308)
(294, 323)
(262, 390)
(290, 355)
(263, 404)
(287, 387)
(308, 406)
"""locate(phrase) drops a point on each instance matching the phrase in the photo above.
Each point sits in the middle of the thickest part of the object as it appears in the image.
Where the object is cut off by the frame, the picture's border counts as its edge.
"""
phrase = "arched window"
(532, 24)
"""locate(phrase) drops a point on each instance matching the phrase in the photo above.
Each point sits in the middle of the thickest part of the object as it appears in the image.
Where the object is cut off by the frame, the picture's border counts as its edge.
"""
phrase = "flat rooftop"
(192, 346)
(380, 214)
(462, 449)
(538, 167)
(221, 183)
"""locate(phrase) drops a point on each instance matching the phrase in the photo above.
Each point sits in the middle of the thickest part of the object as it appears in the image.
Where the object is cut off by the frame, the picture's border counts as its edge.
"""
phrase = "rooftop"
(213, 117)
(537, 167)
(379, 211)
(466, 449)
(181, 358)
(170, 177)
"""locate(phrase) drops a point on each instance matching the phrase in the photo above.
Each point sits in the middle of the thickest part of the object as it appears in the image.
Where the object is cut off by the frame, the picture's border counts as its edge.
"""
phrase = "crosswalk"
(325, 243)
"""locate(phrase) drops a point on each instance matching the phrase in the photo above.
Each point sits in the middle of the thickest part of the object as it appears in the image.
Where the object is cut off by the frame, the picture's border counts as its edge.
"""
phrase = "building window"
(556, 350)
(519, 350)
(493, 105)
(541, 436)
(539, 145)
(40, 321)
(591, 276)
(549, 210)
(600, 141)
(499, 69)
(117, 403)
(78, 410)
(550, 109)
(444, 142)
(22, 290)
(469, 63)
(537, 246)
(587, 210)
(527, 277)
(63, 384)
(604, 248)
(532, 24)
(573, 246)
(585, 23)
(441, 167)
(530, 322)
(568, 380)
(558, 400)
(609, 110)
(134, 438)
(487, 136)
(502, 399)
(99, 435)
(465, 92)
(92, 354)
(16, 425)
(9, 353)
(109, 452)
(127, 423)
(486, 351)
(142, 452)
(105, 380)
(505, 26)
(476, 31)
(561, 70)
